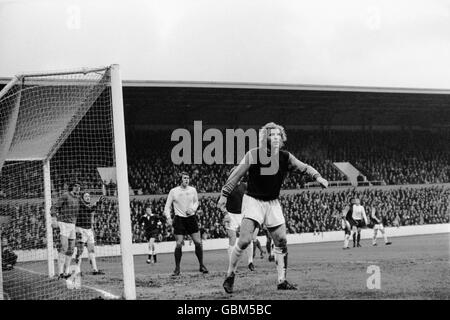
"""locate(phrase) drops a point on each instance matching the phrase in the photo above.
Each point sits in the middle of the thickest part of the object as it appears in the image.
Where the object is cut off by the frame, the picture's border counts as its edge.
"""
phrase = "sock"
(235, 256)
(354, 238)
(230, 251)
(250, 252)
(178, 254)
(93, 261)
(374, 239)
(199, 253)
(268, 248)
(281, 259)
(346, 240)
(359, 237)
(61, 260)
(385, 237)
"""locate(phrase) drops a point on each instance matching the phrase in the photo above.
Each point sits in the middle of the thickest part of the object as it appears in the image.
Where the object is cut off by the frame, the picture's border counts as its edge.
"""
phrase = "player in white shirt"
(184, 200)
(359, 221)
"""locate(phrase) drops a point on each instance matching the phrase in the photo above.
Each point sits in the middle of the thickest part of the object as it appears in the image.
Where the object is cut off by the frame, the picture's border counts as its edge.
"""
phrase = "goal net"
(56, 130)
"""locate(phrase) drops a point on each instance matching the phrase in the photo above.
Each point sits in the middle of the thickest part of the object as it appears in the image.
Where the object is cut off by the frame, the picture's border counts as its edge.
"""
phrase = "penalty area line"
(104, 293)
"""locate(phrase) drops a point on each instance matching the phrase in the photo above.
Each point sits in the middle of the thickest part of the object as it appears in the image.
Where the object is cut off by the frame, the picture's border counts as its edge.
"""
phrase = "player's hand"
(190, 212)
(222, 203)
(323, 182)
(169, 221)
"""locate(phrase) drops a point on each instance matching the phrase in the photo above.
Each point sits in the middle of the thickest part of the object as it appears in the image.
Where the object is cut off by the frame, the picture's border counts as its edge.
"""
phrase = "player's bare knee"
(91, 248)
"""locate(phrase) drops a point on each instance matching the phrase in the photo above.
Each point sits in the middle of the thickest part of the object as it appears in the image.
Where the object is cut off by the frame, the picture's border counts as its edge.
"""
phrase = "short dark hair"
(73, 184)
(184, 173)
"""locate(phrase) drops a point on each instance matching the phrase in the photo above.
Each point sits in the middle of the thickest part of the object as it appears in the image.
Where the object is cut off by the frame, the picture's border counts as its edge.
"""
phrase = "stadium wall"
(218, 244)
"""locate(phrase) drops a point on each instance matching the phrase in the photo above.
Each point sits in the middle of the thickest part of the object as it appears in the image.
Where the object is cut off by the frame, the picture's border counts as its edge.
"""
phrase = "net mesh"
(64, 121)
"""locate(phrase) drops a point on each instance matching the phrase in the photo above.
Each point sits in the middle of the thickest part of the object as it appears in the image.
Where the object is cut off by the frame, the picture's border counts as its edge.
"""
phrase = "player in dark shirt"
(378, 224)
(151, 223)
(64, 214)
(267, 167)
(85, 231)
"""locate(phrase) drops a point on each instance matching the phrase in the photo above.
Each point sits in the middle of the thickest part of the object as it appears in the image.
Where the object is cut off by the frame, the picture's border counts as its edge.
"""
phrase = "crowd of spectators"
(392, 157)
(306, 211)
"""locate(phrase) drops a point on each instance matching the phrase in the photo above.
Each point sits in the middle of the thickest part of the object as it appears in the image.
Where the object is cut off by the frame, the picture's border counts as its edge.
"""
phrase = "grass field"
(414, 267)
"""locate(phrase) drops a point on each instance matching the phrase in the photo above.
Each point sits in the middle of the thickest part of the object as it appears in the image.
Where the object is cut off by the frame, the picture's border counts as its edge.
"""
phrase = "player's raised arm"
(297, 165)
(235, 176)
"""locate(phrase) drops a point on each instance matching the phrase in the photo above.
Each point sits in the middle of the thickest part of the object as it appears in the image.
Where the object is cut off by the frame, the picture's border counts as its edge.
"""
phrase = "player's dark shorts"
(185, 226)
(151, 234)
(357, 223)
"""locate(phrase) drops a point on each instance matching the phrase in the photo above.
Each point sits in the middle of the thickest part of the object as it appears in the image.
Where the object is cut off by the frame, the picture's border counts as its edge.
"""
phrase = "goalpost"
(57, 128)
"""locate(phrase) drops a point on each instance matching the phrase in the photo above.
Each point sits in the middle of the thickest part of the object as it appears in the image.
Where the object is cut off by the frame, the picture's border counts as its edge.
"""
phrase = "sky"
(401, 43)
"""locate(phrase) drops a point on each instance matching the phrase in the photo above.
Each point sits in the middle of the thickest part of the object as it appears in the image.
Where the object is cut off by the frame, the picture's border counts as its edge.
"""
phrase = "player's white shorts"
(87, 235)
(268, 213)
(378, 226)
(235, 221)
(67, 230)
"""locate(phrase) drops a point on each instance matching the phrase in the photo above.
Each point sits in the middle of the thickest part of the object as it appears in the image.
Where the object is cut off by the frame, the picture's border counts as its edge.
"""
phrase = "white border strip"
(219, 244)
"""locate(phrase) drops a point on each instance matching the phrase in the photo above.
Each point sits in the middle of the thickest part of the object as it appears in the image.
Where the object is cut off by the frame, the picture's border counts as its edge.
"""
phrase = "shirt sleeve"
(297, 165)
(168, 205)
(237, 174)
(195, 201)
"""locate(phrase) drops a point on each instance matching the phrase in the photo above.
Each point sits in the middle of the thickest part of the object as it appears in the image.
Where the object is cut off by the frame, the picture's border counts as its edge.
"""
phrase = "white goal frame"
(129, 290)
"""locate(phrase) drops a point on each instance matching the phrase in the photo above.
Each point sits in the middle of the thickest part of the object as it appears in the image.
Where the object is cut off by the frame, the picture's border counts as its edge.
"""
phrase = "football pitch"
(413, 267)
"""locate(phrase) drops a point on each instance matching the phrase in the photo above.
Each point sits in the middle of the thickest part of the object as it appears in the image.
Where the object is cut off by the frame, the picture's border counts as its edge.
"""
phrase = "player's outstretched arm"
(235, 176)
(297, 165)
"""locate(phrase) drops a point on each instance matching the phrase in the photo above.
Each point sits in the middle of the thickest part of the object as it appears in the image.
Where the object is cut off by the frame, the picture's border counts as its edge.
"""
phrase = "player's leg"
(153, 247)
(245, 237)
(281, 256)
(374, 239)
(67, 238)
(199, 250)
(354, 232)
(63, 245)
(251, 249)
(383, 232)
(269, 246)
(231, 225)
(358, 237)
(69, 254)
(276, 225)
(179, 239)
(80, 248)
